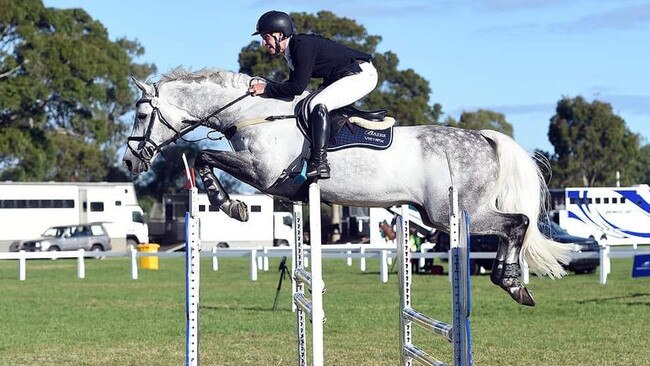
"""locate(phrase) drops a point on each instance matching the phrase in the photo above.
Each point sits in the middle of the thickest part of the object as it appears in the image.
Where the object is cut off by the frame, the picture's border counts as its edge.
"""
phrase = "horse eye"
(142, 115)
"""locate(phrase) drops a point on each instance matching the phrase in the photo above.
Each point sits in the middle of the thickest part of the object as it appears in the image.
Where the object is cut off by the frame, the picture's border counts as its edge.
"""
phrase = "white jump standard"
(313, 280)
(459, 331)
(192, 273)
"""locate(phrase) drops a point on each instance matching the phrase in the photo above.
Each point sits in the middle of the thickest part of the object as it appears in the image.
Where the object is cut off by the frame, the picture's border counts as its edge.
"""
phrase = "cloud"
(626, 17)
(515, 5)
(621, 18)
(628, 104)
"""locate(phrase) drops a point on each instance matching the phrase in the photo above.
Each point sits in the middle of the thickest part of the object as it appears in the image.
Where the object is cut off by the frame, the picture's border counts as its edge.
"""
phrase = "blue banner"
(641, 266)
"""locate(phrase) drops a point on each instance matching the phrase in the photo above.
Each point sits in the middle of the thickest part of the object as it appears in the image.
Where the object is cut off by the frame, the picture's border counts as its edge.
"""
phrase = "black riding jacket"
(314, 56)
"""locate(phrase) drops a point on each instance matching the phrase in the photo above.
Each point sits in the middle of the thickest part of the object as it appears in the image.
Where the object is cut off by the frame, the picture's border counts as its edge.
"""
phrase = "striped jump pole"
(192, 272)
(305, 308)
(459, 331)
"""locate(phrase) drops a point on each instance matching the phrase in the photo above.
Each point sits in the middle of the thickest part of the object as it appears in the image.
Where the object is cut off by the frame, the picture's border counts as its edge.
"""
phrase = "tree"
(482, 119)
(63, 88)
(591, 143)
(644, 164)
(405, 93)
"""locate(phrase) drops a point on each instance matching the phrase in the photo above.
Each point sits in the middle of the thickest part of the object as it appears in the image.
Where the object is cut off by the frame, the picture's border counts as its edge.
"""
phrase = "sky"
(517, 57)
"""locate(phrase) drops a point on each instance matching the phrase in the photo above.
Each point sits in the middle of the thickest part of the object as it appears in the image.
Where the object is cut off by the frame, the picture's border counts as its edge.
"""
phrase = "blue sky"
(517, 57)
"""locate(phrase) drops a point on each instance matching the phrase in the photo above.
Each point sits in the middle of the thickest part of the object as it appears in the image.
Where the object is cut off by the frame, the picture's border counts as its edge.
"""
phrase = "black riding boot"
(320, 134)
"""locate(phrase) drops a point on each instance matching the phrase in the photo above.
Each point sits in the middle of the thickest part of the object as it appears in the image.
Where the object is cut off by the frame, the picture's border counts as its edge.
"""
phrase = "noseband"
(147, 148)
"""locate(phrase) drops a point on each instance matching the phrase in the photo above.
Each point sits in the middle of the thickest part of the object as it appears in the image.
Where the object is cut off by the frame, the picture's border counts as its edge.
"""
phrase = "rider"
(348, 75)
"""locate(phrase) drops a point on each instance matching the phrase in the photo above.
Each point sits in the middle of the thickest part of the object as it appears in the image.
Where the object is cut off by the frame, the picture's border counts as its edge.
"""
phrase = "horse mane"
(216, 75)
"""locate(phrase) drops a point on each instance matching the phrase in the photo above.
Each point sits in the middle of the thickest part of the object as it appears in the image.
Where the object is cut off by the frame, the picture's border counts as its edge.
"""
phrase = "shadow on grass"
(245, 308)
(624, 300)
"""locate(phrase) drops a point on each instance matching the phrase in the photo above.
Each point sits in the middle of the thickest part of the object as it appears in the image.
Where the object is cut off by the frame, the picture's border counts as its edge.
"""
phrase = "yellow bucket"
(148, 262)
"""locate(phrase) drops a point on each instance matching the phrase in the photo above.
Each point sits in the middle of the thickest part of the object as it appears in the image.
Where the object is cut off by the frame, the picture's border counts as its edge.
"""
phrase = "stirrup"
(321, 171)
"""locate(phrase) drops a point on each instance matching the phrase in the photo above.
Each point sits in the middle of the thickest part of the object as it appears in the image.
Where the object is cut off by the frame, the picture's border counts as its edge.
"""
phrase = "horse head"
(158, 122)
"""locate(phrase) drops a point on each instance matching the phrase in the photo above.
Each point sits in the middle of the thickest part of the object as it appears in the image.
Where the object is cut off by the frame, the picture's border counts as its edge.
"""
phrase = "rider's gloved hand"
(257, 88)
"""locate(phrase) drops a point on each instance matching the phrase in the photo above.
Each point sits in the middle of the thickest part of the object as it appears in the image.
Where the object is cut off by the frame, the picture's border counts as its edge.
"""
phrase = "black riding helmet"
(274, 21)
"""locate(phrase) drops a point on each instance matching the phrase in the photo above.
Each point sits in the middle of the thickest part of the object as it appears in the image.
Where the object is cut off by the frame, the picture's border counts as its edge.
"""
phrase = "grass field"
(53, 318)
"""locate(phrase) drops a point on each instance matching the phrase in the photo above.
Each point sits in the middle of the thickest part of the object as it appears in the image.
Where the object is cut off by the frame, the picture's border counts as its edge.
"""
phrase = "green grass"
(53, 318)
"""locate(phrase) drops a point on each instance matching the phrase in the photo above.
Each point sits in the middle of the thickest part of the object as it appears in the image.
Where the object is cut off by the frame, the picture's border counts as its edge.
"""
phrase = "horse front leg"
(239, 164)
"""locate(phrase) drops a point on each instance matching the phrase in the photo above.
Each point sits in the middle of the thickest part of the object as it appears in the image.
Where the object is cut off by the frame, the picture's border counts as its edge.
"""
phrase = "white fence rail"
(259, 257)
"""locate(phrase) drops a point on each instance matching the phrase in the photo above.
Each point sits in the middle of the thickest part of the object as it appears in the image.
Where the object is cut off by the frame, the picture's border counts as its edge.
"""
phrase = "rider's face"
(269, 41)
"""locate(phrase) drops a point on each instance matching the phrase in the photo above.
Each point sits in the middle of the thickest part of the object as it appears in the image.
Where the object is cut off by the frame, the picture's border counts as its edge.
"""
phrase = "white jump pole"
(192, 272)
(318, 315)
(134, 264)
(22, 264)
(605, 264)
(215, 260)
(81, 266)
(313, 280)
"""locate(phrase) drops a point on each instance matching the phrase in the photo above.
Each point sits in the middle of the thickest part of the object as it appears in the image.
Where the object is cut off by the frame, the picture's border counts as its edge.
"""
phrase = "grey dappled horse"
(499, 184)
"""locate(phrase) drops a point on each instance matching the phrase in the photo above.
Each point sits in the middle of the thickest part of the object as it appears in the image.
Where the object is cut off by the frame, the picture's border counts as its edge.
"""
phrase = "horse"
(499, 183)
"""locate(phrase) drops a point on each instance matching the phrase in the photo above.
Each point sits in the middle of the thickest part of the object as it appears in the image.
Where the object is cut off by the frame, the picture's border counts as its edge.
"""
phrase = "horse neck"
(202, 99)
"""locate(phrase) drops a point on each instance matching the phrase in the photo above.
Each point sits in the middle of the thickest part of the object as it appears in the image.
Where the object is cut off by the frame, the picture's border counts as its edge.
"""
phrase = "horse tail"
(521, 189)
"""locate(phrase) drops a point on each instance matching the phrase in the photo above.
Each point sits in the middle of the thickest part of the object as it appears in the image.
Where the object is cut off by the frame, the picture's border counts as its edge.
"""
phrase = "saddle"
(351, 126)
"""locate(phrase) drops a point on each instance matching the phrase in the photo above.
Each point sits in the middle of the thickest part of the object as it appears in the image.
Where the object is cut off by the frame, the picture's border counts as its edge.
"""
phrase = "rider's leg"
(320, 135)
(340, 93)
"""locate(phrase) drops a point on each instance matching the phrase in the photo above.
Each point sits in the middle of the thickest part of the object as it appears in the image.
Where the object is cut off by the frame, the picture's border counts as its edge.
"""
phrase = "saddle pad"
(345, 134)
(351, 135)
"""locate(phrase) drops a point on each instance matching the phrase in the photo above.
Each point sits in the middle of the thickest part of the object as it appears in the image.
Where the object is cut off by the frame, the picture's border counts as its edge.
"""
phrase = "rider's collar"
(287, 56)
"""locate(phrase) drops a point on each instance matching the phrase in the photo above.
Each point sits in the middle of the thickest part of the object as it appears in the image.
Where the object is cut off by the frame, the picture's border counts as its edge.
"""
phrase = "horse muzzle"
(135, 166)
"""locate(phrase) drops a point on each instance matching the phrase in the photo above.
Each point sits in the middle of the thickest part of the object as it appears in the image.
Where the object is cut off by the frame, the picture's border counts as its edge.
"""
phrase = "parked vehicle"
(92, 237)
(28, 208)
(263, 228)
(612, 215)
(489, 243)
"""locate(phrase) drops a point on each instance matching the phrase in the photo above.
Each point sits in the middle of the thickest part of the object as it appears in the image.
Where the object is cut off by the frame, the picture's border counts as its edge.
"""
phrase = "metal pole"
(297, 238)
(318, 315)
(299, 257)
(192, 272)
(404, 262)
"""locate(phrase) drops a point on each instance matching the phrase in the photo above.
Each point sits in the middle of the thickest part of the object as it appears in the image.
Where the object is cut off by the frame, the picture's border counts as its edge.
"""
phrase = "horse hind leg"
(506, 267)
(216, 193)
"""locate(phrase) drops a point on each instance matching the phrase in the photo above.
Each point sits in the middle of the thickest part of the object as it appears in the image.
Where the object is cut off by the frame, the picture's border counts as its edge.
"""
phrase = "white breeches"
(347, 89)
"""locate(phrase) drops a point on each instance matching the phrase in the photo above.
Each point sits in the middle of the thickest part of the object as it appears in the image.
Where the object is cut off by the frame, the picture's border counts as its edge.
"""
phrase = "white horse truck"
(611, 215)
(263, 228)
(27, 209)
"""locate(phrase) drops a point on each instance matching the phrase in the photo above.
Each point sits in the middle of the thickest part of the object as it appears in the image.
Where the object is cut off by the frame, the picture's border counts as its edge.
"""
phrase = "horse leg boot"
(217, 194)
(319, 122)
(506, 268)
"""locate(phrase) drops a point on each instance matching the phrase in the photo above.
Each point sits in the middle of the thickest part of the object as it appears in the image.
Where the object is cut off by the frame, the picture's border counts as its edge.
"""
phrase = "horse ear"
(145, 88)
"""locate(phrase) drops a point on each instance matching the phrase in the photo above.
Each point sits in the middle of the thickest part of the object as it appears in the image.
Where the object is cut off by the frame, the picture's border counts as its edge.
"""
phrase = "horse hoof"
(506, 276)
(521, 295)
(236, 210)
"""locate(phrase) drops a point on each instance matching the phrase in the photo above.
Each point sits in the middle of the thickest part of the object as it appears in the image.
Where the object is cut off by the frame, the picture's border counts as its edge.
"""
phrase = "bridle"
(147, 148)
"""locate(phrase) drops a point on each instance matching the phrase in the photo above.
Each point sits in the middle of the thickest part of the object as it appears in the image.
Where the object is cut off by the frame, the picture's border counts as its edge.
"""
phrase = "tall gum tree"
(591, 144)
(64, 87)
